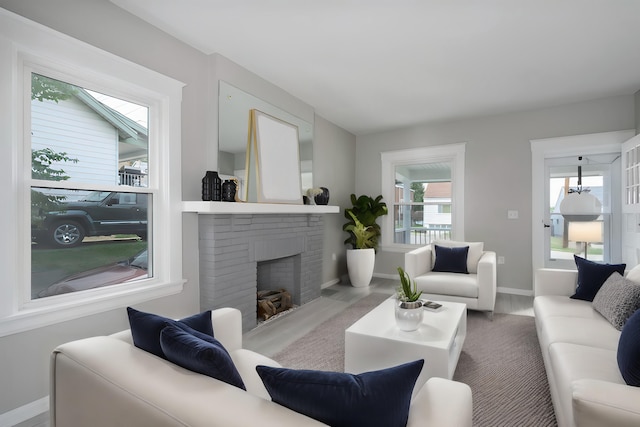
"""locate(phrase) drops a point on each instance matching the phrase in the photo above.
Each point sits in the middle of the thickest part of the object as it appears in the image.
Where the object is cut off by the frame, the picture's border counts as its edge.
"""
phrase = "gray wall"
(24, 357)
(497, 172)
(637, 105)
(335, 149)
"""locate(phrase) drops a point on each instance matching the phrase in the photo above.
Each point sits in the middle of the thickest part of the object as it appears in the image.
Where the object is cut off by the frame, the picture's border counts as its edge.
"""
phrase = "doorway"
(555, 164)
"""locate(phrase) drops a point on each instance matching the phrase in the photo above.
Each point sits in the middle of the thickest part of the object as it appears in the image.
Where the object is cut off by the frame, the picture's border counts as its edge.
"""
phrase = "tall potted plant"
(364, 233)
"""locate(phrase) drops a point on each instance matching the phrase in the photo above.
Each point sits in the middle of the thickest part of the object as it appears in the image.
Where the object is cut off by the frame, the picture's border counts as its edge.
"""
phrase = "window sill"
(64, 310)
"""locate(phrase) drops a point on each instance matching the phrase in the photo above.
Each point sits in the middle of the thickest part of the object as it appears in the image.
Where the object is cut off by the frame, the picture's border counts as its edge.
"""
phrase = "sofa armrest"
(442, 402)
(418, 261)
(227, 327)
(487, 281)
(601, 403)
(553, 281)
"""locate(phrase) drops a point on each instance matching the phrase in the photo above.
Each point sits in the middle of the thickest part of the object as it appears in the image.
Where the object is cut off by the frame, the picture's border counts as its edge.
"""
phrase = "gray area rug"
(500, 361)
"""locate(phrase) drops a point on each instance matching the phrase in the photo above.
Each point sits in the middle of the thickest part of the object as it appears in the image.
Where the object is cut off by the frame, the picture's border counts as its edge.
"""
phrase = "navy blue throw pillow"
(591, 277)
(451, 260)
(199, 353)
(379, 398)
(146, 328)
(629, 350)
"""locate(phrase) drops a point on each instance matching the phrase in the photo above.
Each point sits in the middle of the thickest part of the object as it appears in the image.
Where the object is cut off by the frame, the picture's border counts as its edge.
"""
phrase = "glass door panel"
(584, 236)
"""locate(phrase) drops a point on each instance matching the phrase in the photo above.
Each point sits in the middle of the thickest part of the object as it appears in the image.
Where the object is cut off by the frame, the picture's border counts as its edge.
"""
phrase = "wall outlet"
(512, 214)
(334, 257)
(500, 260)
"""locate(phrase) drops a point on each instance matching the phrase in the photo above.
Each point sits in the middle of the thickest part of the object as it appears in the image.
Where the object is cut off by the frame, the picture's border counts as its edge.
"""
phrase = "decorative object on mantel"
(272, 160)
(363, 237)
(229, 191)
(409, 312)
(320, 195)
(322, 198)
(211, 186)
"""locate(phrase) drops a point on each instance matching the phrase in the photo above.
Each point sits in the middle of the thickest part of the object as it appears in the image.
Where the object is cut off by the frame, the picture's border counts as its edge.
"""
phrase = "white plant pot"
(360, 263)
(409, 315)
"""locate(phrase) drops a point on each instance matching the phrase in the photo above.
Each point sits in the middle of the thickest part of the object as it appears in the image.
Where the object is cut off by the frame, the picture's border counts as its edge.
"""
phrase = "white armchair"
(476, 289)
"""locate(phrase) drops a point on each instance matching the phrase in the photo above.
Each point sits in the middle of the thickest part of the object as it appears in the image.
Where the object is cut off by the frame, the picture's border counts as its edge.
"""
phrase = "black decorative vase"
(211, 187)
(322, 198)
(229, 191)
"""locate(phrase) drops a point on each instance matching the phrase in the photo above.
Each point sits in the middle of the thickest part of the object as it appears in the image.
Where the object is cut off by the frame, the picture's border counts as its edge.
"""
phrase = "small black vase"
(211, 186)
(229, 191)
(322, 198)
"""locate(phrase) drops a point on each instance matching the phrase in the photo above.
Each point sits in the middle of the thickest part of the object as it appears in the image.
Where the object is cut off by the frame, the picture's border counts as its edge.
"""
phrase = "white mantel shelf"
(213, 208)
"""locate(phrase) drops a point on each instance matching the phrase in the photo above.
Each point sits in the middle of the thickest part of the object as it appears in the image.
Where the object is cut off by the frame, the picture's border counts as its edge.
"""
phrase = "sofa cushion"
(451, 260)
(199, 353)
(146, 328)
(596, 332)
(572, 362)
(629, 351)
(449, 284)
(475, 252)
(560, 305)
(591, 276)
(378, 398)
(617, 300)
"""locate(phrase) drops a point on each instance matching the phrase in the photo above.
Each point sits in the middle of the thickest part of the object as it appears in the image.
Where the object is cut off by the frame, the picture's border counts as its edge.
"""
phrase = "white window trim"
(453, 153)
(26, 43)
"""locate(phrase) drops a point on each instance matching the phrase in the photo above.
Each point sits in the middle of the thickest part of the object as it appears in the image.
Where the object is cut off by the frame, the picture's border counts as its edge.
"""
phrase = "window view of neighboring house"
(424, 190)
(422, 205)
(89, 196)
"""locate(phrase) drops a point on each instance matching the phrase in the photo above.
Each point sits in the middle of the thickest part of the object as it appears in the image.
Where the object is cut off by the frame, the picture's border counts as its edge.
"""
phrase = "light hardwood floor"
(276, 334)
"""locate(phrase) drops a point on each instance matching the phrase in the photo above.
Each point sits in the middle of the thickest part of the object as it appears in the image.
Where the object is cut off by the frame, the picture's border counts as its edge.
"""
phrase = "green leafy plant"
(408, 290)
(364, 236)
(366, 211)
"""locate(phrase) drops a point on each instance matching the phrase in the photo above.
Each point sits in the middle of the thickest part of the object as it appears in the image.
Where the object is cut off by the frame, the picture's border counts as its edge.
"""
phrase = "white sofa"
(476, 289)
(579, 348)
(106, 381)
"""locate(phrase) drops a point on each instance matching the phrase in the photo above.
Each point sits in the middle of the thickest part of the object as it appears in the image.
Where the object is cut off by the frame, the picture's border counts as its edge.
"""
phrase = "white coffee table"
(375, 342)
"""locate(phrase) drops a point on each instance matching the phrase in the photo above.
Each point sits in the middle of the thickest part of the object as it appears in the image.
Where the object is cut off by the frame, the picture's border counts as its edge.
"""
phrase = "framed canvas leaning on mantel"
(272, 160)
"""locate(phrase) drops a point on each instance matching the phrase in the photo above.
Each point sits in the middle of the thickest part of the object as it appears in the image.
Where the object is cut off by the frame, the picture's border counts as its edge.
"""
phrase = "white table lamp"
(586, 232)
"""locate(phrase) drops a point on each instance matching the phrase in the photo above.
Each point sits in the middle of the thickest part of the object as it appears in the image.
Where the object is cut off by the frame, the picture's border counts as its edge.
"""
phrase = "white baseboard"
(515, 291)
(387, 276)
(329, 283)
(25, 412)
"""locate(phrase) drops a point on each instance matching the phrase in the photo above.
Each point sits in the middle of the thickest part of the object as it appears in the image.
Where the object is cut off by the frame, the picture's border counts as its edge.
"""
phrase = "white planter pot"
(360, 263)
(409, 315)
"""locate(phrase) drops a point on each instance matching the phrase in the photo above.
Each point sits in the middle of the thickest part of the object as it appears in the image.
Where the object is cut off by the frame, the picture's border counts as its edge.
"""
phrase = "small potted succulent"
(408, 310)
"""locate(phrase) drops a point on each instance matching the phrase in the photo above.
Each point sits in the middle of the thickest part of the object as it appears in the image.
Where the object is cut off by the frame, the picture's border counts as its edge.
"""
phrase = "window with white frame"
(94, 173)
(424, 189)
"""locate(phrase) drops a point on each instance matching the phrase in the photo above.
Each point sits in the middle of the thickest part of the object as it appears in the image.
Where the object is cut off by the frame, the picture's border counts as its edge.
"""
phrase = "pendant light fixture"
(579, 204)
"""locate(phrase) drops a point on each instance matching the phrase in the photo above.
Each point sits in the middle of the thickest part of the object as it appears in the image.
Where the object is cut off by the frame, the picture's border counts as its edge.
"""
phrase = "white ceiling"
(372, 65)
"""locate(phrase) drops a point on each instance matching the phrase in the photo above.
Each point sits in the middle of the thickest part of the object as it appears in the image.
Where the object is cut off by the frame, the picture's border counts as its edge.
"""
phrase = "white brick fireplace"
(281, 243)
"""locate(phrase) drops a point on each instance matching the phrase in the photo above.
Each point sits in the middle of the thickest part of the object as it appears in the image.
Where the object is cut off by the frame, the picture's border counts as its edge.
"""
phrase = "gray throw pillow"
(617, 300)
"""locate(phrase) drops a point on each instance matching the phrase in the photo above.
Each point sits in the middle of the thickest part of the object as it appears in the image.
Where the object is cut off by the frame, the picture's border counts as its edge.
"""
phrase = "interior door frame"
(574, 145)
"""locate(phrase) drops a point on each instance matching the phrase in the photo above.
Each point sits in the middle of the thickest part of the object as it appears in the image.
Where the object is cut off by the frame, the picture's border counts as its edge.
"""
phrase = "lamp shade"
(580, 207)
(585, 231)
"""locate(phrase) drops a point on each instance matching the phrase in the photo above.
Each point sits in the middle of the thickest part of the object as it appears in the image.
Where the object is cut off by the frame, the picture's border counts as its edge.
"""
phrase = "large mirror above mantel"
(234, 106)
